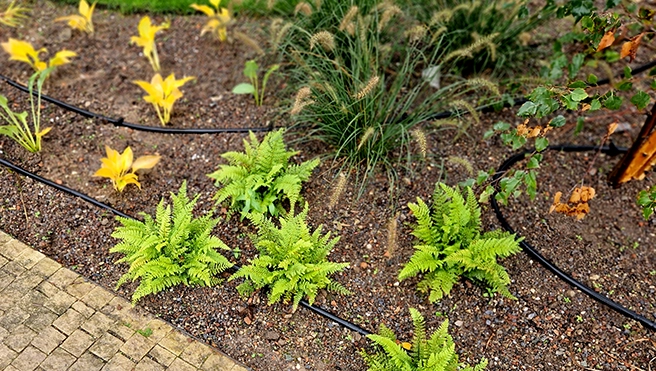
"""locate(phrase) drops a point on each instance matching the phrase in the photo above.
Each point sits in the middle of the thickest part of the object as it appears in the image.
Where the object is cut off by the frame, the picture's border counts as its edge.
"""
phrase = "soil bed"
(549, 327)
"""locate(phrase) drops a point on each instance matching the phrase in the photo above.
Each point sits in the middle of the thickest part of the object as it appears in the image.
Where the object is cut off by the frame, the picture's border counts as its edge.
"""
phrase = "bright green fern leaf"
(452, 246)
(261, 179)
(292, 262)
(435, 354)
(171, 249)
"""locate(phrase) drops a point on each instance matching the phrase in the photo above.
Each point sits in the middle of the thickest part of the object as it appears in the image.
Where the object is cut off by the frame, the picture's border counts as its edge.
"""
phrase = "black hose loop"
(535, 255)
(120, 122)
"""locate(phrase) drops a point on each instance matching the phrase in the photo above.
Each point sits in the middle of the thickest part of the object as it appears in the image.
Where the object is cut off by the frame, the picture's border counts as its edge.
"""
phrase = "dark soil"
(549, 327)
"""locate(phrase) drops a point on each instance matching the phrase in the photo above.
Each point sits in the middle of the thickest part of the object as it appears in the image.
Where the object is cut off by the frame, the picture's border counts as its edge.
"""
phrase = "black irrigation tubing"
(121, 122)
(535, 255)
(320, 311)
(167, 130)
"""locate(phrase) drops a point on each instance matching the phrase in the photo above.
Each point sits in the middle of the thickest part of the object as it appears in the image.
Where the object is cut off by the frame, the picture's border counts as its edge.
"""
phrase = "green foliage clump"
(647, 201)
(452, 245)
(259, 180)
(292, 260)
(495, 32)
(435, 354)
(358, 68)
(171, 249)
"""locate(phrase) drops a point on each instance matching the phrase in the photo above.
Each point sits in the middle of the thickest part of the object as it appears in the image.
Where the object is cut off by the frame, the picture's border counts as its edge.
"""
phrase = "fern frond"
(170, 249)
(292, 260)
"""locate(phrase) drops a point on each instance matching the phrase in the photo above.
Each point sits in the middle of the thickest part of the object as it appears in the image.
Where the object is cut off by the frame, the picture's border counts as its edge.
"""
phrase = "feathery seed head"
(304, 8)
(367, 134)
(301, 100)
(390, 10)
(392, 227)
(466, 105)
(323, 38)
(367, 89)
(441, 17)
(484, 83)
(462, 162)
(279, 31)
(420, 137)
(347, 22)
(337, 191)
(416, 33)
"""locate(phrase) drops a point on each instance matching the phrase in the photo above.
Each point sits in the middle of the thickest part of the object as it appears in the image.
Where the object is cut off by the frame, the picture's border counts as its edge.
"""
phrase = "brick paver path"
(52, 319)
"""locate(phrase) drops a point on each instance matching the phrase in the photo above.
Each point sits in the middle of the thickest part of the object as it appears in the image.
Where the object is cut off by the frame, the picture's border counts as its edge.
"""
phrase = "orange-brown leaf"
(556, 202)
(575, 197)
(607, 40)
(630, 48)
(587, 193)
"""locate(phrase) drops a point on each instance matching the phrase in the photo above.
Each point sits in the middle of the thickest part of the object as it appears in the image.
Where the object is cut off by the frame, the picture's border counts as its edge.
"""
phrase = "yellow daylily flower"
(162, 94)
(219, 19)
(14, 15)
(23, 51)
(146, 40)
(83, 20)
(117, 167)
(61, 57)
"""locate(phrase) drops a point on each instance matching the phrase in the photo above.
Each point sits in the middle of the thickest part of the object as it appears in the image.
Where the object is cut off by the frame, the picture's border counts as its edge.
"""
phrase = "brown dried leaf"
(607, 40)
(522, 130)
(587, 193)
(556, 202)
(535, 132)
(630, 48)
(575, 197)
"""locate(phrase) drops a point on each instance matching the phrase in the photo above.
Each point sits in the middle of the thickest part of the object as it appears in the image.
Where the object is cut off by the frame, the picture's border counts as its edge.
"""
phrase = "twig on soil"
(639, 341)
(616, 357)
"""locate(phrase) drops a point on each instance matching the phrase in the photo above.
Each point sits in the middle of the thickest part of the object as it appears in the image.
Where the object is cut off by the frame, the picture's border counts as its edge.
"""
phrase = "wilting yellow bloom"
(117, 167)
(81, 21)
(23, 51)
(219, 19)
(163, 94)
(13, 16)
(146, 40)
(61, 57)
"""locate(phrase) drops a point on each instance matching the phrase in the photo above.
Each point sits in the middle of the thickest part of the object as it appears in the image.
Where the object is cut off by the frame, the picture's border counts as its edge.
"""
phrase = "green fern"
(435, 354)
(452, 245)
(171, 249)
(259, 180)
(292, 262)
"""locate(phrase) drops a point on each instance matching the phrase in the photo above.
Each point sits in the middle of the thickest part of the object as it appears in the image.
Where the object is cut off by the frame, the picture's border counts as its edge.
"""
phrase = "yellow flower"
(24, 52)
(146, 40)
(61, 57)
(13, 16)
(163, 94)
(116, 167)
(218, 22)
(83, 20)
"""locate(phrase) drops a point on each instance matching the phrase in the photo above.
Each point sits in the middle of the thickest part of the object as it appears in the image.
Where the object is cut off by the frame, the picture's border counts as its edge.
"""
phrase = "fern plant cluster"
(172, 248)
(451, 245)
(260, 179)
(434, 353)
(292, 260)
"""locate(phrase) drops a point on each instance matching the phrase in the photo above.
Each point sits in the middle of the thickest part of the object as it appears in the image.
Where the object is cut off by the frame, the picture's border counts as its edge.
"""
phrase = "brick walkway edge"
(52, 319)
